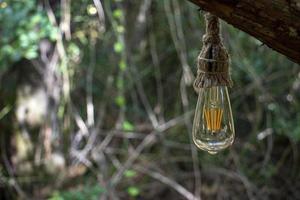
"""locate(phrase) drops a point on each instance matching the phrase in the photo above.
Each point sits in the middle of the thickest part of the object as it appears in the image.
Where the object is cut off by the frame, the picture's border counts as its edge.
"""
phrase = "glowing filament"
(213, 118)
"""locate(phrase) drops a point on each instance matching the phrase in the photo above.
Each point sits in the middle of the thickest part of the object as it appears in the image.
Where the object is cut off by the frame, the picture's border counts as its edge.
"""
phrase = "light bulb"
(213, 128)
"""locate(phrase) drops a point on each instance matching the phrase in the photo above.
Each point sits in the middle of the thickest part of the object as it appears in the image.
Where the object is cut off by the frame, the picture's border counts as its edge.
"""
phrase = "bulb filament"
(213, 118)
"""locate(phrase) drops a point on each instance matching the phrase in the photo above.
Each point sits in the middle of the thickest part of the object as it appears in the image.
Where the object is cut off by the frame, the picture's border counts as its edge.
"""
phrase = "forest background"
(97, 103)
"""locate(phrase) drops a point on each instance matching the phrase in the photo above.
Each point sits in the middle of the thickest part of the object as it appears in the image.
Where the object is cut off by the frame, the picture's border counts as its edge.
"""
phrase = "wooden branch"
(276, 23)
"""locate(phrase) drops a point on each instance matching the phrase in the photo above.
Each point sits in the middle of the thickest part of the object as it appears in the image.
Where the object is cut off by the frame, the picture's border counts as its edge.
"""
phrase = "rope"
(213, 60)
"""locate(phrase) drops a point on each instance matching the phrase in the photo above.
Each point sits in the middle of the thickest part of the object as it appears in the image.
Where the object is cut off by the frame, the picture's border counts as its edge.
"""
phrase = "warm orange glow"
(213, 118)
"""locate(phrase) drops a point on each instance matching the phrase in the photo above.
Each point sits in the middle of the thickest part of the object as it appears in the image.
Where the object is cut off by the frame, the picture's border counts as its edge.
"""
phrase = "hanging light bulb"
(213, 128)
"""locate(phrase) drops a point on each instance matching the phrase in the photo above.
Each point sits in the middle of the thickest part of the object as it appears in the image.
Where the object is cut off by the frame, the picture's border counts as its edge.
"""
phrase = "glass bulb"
(213, 128)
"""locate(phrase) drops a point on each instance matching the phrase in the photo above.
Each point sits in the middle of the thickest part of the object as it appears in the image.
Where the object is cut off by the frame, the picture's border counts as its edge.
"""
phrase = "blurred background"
(97, 103)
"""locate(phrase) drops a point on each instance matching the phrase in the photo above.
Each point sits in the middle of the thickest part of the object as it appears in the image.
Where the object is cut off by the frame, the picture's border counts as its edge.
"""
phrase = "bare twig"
(188, 120)
(166, 180)
(148, 141)
(160, 102)
(89, 86)
(101, 15)
(178, 39)
(12, 180)
(250, 188)
(66, 18)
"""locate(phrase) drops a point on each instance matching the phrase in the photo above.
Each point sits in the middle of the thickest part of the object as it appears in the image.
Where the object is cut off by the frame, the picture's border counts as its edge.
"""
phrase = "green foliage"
(73, 51)
(118, 47)
(129, 173)
(120, 101)
(122, 65)
(120, 83)
(120, 29)
(5, 111)
(127, 126)
(288, 126)
(91, 193)
(19, 37)
(91, 9)
(133, 191)
(118, 13)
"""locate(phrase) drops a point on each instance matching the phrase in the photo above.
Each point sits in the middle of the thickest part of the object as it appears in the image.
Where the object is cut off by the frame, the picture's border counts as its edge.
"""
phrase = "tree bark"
(276, 23)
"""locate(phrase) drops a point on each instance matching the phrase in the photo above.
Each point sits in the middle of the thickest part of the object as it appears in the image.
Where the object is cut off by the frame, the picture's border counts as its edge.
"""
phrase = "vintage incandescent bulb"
(213, 128)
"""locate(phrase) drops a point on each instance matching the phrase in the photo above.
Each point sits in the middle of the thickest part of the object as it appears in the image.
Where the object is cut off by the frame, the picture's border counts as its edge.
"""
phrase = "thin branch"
(166, 180)
(101, 15)
(178, 39)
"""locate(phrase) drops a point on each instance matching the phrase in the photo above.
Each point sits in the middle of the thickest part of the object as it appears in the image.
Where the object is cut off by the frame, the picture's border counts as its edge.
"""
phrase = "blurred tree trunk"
(276, 23)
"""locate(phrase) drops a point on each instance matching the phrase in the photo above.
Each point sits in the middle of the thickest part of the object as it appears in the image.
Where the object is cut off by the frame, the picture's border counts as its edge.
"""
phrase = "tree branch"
(276, 23)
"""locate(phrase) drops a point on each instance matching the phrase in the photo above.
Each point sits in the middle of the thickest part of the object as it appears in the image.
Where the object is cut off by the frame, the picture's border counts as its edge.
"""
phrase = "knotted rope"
(213, 60)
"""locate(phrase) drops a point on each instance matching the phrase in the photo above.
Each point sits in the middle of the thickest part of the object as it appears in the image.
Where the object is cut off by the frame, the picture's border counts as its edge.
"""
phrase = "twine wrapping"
(213, 60)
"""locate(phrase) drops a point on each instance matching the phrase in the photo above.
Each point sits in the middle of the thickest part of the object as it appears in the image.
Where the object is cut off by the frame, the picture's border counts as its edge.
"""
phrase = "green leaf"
(122, 65)
(53, 34)
(120, 101)
(82, 37)
(33, 36)
(120, 29)
(36, 18)
(118, 13)
(73, 50)
(127, 126)
(118, 47)
(31, 54)
(24, 40)
(120, 83)
(133, 191)
(56, 196)
(130, 173)
(5, 111)
(91, 9)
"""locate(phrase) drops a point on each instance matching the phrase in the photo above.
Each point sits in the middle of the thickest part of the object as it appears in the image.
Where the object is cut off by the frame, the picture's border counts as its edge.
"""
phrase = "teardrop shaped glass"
(213, 128)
